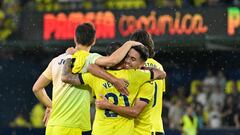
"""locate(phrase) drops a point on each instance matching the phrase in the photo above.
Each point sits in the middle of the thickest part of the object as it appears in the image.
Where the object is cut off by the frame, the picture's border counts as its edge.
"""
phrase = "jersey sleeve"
(146, 92)
(48, 71)
(93, 57)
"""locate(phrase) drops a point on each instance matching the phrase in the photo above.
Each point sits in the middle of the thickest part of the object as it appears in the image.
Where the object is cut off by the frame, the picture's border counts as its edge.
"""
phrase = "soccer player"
(107, 122)
(146, 97)
(144, 37)
(141, 109)
(70, 106)
(142, 106)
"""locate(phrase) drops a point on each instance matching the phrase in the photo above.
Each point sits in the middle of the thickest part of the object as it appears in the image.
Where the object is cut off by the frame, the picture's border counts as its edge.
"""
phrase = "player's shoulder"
(153, 63)
(59, 57)
(139, 71)
(127, 71)
(93, 56)
(117, 71)
(151, 60)
(63, 55)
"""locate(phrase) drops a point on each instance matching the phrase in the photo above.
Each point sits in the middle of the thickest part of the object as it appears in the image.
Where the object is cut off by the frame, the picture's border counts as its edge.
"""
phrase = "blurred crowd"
(9, 10)
(54, 5)
(215, 103)
(35, 118)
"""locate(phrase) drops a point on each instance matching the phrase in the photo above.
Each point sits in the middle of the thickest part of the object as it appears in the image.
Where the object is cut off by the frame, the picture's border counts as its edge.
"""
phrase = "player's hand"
(137, 43)
(46, 116)
(121, 85)
(103, 103)
(71, 50)
(134, 43)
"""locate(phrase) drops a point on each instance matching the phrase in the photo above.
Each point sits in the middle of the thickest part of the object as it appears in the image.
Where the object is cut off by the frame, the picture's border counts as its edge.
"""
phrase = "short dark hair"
(112, 47)
(142, 50)
(145, 38)
(85, 34)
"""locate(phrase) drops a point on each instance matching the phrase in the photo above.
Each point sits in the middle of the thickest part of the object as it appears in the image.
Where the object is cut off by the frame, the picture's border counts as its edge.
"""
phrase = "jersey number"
(108, 112)
(155, 94)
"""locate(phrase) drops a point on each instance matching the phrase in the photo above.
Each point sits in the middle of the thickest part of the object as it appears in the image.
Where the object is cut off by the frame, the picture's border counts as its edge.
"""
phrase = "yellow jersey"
(142, 124)
(79, 59)
(107, 122)
(70, 104)
(159, 88)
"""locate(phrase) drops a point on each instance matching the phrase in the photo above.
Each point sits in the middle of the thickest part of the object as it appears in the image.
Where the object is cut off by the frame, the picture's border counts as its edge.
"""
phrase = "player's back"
(106, 121)
(159, 88)
(69, 103)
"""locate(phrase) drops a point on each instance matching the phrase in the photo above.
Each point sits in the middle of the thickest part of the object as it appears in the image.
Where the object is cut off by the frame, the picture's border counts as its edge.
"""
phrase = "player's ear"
(94, 41)
(75, 40)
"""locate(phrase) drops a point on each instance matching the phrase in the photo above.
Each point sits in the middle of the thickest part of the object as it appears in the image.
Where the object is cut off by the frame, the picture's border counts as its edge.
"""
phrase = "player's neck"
(81, 47)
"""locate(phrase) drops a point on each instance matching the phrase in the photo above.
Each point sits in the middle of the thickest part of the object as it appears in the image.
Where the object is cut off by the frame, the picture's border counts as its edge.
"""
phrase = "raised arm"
(132, 112)
(116, 56)
(119, 84)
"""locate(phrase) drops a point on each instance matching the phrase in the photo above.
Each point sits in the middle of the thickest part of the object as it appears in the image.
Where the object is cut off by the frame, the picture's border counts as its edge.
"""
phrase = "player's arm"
(39, 88)
(133, 112)
(40, 92)
(157, 74)
(117, 56)
(119, 84)
(67, 75)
